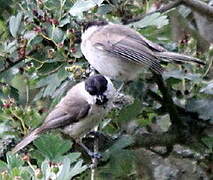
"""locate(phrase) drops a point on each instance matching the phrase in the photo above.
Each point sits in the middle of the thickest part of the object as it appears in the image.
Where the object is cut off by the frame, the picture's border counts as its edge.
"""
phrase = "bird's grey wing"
(134, 35)
(141, 42)
(123, 45)
(70, 110)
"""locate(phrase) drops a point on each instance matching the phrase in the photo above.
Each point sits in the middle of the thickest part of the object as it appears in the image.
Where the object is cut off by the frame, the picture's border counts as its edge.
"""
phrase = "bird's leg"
(90, 153)
(95, 134)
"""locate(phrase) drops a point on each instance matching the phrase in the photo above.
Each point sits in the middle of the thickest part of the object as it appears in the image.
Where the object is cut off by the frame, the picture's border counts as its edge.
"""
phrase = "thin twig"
(94, 160)
(10, 63)
(160, 10)
(210, 57)
(168, 102)
(200, 7)
(21, 121)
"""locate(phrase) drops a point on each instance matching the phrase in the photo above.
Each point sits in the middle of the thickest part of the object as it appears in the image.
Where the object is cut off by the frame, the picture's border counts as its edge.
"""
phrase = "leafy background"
(40, 59)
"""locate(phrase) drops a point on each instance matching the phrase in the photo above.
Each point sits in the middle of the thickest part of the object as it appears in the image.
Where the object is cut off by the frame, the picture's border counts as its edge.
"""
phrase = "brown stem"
(168, 102)
(10, 63)
(199, 6)
(160, 10)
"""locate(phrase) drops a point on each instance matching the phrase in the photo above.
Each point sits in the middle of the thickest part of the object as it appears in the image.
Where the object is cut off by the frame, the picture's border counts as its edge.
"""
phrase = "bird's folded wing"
(132, 51)
(66, 113)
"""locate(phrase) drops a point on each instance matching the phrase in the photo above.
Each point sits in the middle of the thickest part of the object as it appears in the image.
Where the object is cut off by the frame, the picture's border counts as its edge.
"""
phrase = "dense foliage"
(40, 59)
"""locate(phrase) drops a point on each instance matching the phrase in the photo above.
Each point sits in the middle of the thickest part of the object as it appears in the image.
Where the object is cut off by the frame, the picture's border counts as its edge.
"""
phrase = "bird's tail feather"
(27, 140)
(179, 58)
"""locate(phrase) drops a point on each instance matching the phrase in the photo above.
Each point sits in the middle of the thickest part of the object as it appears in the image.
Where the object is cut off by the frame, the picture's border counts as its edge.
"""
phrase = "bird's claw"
(95, 155)
(95, 134)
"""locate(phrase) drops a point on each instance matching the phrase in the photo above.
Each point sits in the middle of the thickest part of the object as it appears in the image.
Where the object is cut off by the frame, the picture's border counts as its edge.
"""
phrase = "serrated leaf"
(208, 141)
(181, 75)
(45, 169)
(14, 24)
(130, 112)
(104, 9)
(77, 169)
(64, 21)
(120, 164)
(184, 11)
(202, 106)
(52, 150)
(123, 142)
(208, 89)
(64, 173)
(156, 19)
(73, 156)
(14, 160)
(51, 82)
(57, 35)
(83, 5)
(98, 2)
(3, 165)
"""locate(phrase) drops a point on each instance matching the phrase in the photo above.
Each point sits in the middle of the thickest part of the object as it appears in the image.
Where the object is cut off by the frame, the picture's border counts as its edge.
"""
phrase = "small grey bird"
(120, 52)
(78, 112)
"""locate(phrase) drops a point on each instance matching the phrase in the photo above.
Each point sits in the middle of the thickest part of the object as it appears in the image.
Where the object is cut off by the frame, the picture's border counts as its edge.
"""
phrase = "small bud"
(17, 178)
(51, 53)
(4, 174)
(18, 111)
(37, 29)
(60, 45)
(22, 52)
(38, 173)
(55, 169)
(71, 30)
(35, 13)
(6, 90)
(73, 50)
(26, 157)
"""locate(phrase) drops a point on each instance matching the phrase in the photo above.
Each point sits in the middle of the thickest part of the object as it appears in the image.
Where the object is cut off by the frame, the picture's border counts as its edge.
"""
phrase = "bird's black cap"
(94, 23)
(96, 85)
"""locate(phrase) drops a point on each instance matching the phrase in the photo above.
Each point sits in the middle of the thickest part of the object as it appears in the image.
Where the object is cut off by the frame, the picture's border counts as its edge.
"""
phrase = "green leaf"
(120, 165)
(51, 82)
(73, 156)
(64, 173)
(14, 24)
(156, 19)
(52, 150)
(208, 141)
(104, 9)
(83, 5)
(77, 169)
(130, 112)
(57, 35)
(202, 106)
(208, 89)
(45, 168)
(123, 142)
(3, 165)
(14, 160)
(176, 74)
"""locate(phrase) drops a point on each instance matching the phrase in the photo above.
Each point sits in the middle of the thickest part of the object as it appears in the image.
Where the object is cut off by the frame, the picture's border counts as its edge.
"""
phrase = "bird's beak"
(101, 99)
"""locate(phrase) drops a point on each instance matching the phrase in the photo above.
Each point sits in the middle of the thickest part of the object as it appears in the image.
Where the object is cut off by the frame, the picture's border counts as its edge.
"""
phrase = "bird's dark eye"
(91, 90)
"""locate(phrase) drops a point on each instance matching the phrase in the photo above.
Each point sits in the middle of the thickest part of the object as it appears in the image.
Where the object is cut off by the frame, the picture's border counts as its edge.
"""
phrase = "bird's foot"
(96, 134)
(95, 155)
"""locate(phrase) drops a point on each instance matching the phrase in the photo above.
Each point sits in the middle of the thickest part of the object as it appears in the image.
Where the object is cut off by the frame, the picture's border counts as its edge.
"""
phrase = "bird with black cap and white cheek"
(78, 112)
